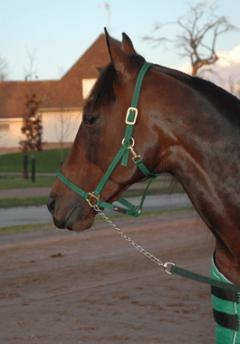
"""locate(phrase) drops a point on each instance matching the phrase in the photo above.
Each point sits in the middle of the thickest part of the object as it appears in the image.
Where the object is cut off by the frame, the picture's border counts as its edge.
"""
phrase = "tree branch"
(3, 69)
(200, 30)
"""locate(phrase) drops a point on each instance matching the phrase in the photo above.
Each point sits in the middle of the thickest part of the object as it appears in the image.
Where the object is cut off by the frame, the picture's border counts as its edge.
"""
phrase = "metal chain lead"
(166, 266)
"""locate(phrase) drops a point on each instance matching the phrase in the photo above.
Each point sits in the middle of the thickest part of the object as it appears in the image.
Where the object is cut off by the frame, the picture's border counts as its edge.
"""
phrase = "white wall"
(58, 127)
(87, 85)
(10, 132)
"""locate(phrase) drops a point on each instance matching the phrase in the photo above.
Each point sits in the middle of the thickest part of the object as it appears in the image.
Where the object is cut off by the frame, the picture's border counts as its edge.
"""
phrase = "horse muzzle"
(77, 216)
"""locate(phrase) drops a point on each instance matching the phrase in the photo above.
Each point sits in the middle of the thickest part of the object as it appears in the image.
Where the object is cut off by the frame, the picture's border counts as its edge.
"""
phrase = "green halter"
(127, 147)
(122, 156)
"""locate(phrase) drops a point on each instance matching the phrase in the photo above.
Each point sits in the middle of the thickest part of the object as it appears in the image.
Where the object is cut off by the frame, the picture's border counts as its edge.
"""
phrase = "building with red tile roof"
(61, 101)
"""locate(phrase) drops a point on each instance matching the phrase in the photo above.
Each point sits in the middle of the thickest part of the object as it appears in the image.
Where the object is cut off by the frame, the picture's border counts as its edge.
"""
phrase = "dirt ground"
(67, 288)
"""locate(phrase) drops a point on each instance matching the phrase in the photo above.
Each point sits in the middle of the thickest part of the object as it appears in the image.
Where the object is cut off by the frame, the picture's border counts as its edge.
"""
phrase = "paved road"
(38, 215)
(27, 192)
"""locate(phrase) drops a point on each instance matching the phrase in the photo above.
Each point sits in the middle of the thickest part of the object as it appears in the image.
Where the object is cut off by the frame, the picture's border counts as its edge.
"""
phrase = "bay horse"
(186, 126)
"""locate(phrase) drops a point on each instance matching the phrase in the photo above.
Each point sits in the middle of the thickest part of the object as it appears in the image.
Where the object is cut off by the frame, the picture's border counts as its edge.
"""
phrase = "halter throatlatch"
(127, 148)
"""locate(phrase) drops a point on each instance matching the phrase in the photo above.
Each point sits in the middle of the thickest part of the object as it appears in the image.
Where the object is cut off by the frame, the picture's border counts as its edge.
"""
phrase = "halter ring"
(92, 199)
(132, 144)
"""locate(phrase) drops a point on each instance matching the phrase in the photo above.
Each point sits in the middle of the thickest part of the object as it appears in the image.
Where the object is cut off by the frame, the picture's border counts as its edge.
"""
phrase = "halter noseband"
(94, 198)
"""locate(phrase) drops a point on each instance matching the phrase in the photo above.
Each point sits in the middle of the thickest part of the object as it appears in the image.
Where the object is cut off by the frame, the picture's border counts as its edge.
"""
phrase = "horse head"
(101, 134)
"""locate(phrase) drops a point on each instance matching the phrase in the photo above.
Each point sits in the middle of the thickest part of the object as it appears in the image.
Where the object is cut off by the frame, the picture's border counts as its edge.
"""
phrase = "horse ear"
(119, 51)
(127, 45)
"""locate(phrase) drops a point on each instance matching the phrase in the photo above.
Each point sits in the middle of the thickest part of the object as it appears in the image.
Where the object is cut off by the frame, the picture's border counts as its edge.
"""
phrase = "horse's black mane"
(103, 88)
(226, 103)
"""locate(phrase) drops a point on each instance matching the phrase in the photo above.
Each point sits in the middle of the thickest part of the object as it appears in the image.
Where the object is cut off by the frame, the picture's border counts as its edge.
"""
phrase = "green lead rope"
(222, 284)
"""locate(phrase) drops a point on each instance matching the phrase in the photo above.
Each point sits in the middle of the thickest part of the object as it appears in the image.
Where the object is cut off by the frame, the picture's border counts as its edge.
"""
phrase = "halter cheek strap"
(127, 148)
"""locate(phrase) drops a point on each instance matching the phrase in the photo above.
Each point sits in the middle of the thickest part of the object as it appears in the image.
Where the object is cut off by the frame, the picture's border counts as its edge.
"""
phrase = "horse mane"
(103, 88)
(226, 103)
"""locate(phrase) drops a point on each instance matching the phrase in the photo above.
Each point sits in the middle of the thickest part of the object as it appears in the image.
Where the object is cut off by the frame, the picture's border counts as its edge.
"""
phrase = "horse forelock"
(103, 90)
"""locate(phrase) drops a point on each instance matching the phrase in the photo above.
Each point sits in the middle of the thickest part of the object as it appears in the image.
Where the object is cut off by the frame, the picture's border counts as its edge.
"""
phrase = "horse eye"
(89, 119)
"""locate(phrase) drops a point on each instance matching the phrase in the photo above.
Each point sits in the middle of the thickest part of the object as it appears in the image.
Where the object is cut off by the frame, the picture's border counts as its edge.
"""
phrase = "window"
(87, 85)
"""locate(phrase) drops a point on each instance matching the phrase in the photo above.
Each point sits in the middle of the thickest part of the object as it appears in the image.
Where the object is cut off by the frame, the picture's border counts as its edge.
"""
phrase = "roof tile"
(52, 94)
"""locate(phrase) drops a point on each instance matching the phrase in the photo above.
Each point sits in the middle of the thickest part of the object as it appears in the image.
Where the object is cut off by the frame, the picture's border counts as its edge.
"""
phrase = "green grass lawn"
(46, 162)
(159, 186)
(18, 182)
(22, 202)
(49, 162)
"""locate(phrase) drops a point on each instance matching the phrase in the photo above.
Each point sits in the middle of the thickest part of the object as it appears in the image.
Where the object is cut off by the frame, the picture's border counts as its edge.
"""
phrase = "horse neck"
(201, 149)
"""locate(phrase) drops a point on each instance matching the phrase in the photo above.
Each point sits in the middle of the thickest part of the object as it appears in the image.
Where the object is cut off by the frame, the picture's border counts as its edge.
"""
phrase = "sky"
(57, 32)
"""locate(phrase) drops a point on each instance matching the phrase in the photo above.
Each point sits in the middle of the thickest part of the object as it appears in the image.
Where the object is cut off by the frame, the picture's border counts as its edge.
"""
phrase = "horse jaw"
(82, 224)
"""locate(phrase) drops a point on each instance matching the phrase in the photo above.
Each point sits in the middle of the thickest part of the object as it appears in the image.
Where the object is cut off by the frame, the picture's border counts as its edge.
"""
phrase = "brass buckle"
(92, 199)
(129, 111)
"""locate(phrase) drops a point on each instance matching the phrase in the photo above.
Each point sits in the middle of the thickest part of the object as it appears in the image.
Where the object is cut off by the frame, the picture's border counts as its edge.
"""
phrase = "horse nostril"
(51, 204)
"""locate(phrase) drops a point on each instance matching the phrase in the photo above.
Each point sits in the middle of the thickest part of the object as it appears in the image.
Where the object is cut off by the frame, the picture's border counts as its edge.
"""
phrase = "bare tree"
(3, 69)
(32, 121)
(65, 127)
(200, 29)
(66, 121)
(30, 72)
(32, 126)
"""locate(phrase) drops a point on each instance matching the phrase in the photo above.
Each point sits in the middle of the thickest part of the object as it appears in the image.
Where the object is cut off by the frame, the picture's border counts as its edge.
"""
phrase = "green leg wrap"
(230, 309)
